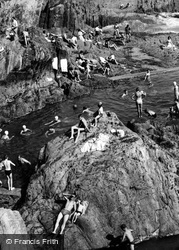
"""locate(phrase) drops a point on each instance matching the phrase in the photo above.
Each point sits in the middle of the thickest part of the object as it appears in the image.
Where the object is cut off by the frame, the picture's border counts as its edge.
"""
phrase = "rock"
(133, 181)
(11, 222)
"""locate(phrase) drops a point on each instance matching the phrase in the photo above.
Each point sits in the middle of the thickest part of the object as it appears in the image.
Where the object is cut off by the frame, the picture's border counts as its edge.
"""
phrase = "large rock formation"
(11, 222)
(130, 180)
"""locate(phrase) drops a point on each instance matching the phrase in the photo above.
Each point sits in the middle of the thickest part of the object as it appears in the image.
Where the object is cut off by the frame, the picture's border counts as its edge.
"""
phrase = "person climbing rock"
(127, 236)
(65, 213)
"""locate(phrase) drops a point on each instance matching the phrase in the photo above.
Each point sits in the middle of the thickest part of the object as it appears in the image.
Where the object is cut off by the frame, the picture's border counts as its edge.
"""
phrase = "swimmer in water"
(125, 93)
(7, 164)
(23, 160)
(147, 78)
(55, 121)
(50, 131)
(6, 136)
(138, 98)
(25, 130)
(150, 113)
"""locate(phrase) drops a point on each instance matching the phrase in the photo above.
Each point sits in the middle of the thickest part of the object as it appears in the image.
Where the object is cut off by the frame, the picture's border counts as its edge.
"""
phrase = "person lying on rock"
(6, 136)
(65, 213)
(80, 210)
(81, 126)
(7, 164)
(55, 121)
(127, 236)
(25, 130)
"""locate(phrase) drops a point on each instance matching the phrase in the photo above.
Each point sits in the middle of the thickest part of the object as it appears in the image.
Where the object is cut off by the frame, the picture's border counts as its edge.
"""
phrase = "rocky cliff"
(26, 78)
(126, 179)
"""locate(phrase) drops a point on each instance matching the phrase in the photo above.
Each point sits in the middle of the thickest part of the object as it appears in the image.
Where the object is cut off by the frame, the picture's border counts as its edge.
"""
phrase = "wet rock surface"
(132, 180)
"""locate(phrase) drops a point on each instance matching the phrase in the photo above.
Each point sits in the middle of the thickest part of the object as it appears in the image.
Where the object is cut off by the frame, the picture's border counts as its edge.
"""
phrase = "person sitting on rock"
(81, 207)
(98, 114)
(81, 126)
(25, 130)
(112, 59)
(150, 113)
(55, 121)
(127, 236)
(65, 213)
(7, 164)
(6, 136)
(170, 43)
(125, 93)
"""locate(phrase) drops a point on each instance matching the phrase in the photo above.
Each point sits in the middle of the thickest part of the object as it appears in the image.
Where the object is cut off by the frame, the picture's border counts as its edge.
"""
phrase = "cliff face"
(132, 181)
(75, 13)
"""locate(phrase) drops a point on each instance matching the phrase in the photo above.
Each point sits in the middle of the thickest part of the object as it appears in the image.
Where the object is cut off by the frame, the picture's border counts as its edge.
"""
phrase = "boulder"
(130, 180)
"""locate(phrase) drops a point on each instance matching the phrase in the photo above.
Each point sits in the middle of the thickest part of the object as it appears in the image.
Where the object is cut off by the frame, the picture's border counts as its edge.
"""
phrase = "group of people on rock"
(75, 208)
(85, 124)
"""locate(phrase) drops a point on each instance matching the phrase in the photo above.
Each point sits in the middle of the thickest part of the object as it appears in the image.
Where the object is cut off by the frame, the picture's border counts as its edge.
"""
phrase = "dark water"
(159, 98)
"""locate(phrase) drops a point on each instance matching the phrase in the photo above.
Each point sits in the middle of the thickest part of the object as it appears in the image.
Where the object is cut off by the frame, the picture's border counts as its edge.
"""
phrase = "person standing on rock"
(138, 97)
(176, 93)
(65, 213)
(127, 236)
(147, 78)
(128, 33)
(7, 164)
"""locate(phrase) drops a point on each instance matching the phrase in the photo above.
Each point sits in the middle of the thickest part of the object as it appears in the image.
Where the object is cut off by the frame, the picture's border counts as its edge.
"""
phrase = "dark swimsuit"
(81, 125)
(8, 172)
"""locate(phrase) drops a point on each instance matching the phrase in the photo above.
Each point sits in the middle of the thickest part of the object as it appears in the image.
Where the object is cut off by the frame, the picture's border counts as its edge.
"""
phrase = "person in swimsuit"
(176, 93)
(25, 130)
(99, 112)
(65, 213)
(55, 121)
(138, 96)
(150, 113)
(79, 211)
(81, 126)
(23, 160)
(127, 236)
(6, 136)
(147, 77)
(7, 164)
